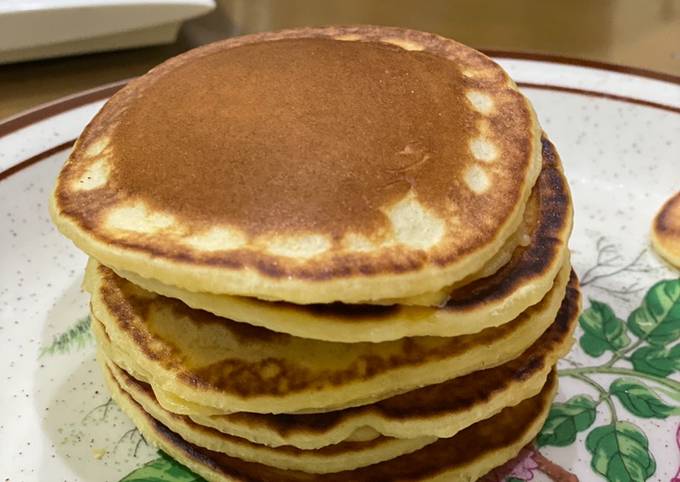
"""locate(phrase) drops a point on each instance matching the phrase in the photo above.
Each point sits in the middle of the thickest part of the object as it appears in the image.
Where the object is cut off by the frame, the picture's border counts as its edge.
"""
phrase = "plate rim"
(581, 62)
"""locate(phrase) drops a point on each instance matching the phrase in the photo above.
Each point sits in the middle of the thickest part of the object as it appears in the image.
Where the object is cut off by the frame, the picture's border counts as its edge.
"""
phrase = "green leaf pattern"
(602, 330)
(565, 420)
(620, 452)
(162, 469)
(657, 360)
(76, 337)
(658, 319)
(639, 399)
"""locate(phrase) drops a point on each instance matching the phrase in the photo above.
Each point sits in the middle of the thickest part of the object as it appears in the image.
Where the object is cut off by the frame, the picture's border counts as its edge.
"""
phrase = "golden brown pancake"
(465, 457)
(200, 363)
(332, 458)
(491, 301)
(440, 410)
(666, 231)
(311, 165)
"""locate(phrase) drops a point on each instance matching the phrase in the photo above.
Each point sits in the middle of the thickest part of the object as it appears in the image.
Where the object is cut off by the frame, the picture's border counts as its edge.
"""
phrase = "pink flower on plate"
(521, 467)
(525, 467)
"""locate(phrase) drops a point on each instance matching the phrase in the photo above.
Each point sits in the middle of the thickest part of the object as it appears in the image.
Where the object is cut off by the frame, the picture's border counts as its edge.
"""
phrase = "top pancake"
(296, 166)
(666, 231)
(518, 279)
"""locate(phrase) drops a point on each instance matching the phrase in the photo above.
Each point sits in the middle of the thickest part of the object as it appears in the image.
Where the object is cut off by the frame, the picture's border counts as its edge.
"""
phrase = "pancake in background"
(666, 231)
(467, 456)
(199, 363)
(519, 279)
(268, 199)
(437, 410)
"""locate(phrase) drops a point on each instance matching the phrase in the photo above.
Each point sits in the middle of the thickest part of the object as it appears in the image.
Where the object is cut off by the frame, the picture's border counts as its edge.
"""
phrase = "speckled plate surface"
(617, 415)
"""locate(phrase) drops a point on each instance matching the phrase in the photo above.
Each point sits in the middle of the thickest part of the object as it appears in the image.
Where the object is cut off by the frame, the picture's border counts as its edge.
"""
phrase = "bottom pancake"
(467, 456)
(332, 458)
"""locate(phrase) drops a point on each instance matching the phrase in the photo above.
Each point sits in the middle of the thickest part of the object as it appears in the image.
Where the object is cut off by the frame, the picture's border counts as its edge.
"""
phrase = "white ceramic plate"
(617, 413)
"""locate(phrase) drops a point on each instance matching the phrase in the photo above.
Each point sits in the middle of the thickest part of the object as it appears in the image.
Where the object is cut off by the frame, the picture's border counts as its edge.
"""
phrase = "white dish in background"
(619, 137)
(35, 29)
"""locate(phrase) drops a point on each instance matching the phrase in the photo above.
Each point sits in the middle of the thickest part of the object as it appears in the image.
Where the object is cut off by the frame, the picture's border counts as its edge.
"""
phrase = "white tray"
(50, 28)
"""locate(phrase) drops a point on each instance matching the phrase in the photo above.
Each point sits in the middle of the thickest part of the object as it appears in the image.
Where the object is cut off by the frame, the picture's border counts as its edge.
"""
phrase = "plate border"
(593, 64)
(57, 106)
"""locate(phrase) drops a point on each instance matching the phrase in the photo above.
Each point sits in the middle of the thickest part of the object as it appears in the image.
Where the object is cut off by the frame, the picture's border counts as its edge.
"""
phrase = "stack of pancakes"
(326, 254)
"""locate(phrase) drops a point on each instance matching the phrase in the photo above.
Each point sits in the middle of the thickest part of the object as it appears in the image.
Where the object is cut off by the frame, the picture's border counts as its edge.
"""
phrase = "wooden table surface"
(636, 33)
